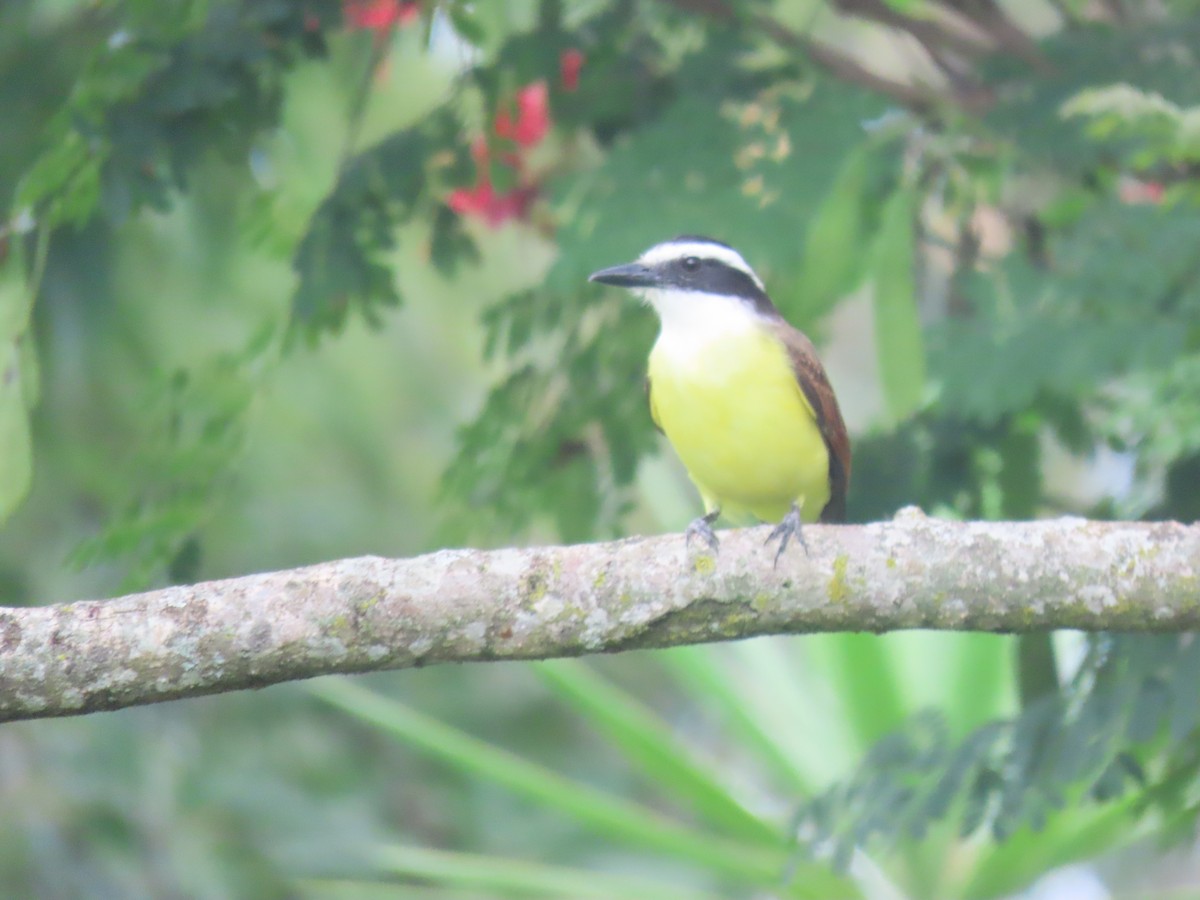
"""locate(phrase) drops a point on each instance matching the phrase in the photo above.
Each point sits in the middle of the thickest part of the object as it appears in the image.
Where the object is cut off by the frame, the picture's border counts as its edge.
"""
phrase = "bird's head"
(679, 272)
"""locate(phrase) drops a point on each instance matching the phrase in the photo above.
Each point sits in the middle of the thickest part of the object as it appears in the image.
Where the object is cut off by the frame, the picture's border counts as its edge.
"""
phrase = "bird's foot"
(702, 528)
(785, 530)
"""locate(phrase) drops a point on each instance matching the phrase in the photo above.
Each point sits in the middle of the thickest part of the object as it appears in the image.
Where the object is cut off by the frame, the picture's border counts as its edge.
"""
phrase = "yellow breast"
(740, 423)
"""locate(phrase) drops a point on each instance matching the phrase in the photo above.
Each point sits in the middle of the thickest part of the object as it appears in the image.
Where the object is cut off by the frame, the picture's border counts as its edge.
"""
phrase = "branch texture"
(358, 615)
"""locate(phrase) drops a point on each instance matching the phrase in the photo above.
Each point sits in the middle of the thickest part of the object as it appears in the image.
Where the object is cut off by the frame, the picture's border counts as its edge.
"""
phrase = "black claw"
(785, 530)
(702, 528)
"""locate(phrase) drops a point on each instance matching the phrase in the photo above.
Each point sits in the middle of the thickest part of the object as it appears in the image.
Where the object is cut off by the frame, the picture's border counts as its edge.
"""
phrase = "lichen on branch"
(365, 614)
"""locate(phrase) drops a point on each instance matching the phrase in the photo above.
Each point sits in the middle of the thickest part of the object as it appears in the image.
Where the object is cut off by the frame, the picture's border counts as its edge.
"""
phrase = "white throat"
(692, 322)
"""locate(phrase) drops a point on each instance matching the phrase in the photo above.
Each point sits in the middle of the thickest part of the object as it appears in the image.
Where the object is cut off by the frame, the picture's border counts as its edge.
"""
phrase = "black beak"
(631, 275)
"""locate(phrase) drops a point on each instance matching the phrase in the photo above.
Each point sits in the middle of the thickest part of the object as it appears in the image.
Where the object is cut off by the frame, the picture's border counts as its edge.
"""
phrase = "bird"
(738, 391)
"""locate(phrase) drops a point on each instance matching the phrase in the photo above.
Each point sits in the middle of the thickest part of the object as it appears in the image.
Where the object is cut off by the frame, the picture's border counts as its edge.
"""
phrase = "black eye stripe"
(706, 274)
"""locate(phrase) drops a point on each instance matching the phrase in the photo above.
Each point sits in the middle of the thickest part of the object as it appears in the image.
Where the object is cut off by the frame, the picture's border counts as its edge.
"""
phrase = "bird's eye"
(691, 263)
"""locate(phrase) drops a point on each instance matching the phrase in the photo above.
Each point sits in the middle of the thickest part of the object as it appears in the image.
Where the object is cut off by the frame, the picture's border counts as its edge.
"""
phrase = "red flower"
(1134, 191)
(379, 15)
(482, 199)
(569, 64)
(495, 209)
(529, 128)
(533, 116)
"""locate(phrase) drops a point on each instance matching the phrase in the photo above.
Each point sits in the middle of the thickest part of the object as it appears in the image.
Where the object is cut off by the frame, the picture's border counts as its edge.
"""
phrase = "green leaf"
(1049, 776)
(520, 878)
(649, 744)
(1185, 711)
(341, 261)
(16, 293)
(18, 376)
(1037, 672)
(1126, 111)
(449, 244)
(16, 449)
(898, 335)
(1029, 104)
(863, 670)
(1071, 835)
(147, 109)
(775, 723)
(966, 677)
(838, 238)
(196, 423)
(1119, 297)
(613, 817)
(467, 24)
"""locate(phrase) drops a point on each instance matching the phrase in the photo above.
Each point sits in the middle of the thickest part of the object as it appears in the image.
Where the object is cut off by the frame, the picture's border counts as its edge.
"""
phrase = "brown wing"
(812, 379)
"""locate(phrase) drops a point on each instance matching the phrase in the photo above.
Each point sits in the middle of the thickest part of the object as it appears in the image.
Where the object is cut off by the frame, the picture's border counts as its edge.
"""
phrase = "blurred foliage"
(258, 257)
(1017, 774)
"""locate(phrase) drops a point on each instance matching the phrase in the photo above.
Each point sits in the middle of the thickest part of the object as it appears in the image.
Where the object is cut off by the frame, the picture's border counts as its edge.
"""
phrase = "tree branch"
(846, 68)
(358, 615)
(837, 63)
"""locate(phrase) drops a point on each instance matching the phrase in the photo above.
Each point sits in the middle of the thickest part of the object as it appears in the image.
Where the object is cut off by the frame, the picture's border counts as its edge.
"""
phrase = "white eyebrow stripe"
(662, 253)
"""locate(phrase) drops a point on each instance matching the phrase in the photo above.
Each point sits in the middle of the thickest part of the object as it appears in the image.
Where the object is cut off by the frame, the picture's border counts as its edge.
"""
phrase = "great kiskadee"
(738, 391)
